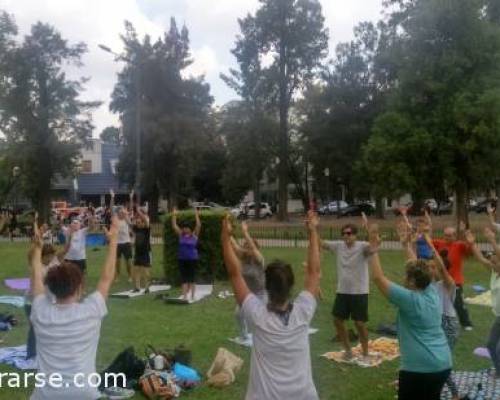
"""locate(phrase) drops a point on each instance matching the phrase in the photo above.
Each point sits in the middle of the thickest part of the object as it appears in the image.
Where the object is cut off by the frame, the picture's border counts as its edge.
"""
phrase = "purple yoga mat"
(482, 352)
(18, 284)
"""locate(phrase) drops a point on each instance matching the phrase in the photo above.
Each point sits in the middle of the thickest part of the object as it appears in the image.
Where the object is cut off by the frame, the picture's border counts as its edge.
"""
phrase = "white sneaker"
(468, 328)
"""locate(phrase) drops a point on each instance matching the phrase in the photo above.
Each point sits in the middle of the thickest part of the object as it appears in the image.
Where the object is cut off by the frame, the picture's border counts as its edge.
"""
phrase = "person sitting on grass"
(492, 262)
(425, 355)
(142, 251)
(253, 270)
(353, 287)
(188, 252)
(67, 330)
(446, 289)
(280, 366)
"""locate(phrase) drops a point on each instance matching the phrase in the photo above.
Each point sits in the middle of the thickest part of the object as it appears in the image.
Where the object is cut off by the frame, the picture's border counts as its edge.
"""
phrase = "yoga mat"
(129, 294)
(468, 381)
(18, 284)
(200, 293)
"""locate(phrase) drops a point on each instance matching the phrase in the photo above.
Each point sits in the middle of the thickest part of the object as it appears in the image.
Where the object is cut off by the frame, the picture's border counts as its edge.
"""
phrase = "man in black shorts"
(351, 301)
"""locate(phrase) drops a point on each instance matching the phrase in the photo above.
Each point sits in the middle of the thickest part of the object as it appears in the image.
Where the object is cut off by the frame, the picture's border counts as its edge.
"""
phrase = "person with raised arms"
(425, 355)
(492, 263)
(67, 330)
(353, 287)
(187, 252)
(280, 366)
(253, 270)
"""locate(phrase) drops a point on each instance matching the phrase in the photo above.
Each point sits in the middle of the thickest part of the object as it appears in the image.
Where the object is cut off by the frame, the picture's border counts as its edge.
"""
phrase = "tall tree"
(448, 92)
(174, 114)
(41, 114)
(111, 134)
(292, 34)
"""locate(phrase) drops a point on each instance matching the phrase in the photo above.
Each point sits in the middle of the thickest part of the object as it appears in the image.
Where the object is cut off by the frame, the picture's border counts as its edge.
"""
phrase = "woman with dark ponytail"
(280, 365)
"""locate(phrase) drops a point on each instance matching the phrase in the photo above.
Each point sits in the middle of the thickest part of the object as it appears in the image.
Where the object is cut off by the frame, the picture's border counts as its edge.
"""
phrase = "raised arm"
(377, 273)
(405, 239)
(175, 227)
(142, 215)
(428, 219)
(490, 236)
(233, 263)
(108, 269)
(131, 201)
(111, 200)
(197, 228)
(404, 214)
(313, 266)
(240, 251)
(37, 286)
(491, 216)
(251, 243)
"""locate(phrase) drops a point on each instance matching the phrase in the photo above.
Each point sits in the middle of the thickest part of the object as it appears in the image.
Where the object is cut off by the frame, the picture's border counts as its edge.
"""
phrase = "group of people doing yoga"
(67, 327)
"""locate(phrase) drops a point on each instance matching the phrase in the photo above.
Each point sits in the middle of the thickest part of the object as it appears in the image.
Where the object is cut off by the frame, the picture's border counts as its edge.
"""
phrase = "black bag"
(182, 355)
(128, 364)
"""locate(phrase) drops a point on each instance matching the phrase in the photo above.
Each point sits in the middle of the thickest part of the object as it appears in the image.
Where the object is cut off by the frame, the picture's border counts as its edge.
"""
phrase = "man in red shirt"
(457, 251)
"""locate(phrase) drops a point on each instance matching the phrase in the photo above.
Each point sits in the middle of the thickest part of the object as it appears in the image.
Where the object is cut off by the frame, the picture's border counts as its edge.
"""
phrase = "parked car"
(247, 210)
(331, 208)
(482, 205)
(357, 209)
(444, 208)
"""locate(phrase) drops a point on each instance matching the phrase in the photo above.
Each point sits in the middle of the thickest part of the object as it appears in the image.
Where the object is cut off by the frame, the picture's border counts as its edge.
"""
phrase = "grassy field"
(206, 326)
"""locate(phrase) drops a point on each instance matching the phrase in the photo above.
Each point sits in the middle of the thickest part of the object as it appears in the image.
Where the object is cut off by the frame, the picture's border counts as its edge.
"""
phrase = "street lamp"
(137, 78)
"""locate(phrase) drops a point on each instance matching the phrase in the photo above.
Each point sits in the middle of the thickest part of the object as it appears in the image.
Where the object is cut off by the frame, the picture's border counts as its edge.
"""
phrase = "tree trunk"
(497, 194)
(153, 204)
(462, 214)
(283, 131)
(379, 207)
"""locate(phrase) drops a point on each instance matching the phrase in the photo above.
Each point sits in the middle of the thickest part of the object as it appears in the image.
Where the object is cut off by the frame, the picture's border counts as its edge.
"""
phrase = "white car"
(249, 210)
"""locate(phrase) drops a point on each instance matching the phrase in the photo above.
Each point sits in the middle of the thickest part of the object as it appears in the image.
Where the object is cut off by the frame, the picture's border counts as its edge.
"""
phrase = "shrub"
(210, 265)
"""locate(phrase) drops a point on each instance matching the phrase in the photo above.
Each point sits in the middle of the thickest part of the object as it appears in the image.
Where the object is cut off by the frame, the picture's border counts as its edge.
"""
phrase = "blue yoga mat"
(95, 239)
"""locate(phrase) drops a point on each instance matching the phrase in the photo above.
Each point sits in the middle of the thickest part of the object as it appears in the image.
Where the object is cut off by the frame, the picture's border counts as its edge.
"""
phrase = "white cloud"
(212, 23)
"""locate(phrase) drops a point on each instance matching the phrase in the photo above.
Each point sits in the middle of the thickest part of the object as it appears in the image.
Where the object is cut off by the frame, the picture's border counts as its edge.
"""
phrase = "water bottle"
(480, 394)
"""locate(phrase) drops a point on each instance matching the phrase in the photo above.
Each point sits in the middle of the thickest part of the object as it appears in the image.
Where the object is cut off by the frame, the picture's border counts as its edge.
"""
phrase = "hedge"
(210, 265)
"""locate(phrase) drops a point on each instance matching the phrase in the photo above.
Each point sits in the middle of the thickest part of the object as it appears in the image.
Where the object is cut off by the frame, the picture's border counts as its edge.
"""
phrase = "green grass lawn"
(206, 326)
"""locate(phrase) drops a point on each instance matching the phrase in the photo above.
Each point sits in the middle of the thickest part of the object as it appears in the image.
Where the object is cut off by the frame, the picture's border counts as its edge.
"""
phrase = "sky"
(212, 26)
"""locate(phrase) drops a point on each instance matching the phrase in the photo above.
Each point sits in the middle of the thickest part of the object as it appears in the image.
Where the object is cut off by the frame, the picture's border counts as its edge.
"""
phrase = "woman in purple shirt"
(187, 253)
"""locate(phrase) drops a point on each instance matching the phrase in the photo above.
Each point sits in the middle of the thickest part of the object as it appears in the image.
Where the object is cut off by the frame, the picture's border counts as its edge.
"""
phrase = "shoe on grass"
(117, 393)
(468, 328)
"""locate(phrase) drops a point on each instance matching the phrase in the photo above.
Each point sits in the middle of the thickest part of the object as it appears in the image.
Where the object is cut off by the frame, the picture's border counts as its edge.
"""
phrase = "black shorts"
(351, 306)
(82, 264)
(124, 249)
(187, 270)
(142, 260)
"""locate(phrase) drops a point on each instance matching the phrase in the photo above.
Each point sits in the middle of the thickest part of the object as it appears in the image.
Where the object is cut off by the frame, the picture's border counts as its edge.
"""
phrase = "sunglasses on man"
(347, 233)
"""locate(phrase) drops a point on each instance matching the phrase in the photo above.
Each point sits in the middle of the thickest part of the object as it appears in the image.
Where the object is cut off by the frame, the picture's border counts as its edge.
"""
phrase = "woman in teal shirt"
(425, 355)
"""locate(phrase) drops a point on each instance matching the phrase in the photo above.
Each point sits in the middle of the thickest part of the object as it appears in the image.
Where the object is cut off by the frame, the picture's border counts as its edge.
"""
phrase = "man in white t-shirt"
(353, 287)
(280, 366)
(67, 330)
(76, 236)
